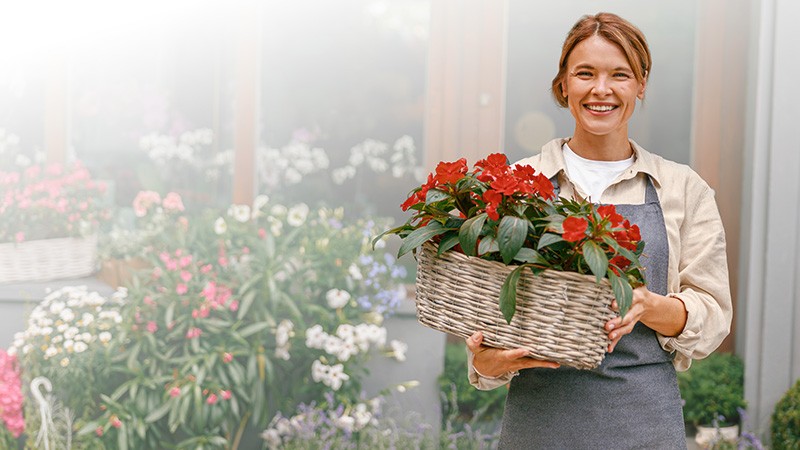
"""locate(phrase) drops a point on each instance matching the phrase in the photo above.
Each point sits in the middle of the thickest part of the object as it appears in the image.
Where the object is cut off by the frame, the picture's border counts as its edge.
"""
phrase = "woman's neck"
(611, 147)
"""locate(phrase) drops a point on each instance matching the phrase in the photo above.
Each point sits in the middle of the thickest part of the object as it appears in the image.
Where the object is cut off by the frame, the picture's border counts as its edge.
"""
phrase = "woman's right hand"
(494, 362)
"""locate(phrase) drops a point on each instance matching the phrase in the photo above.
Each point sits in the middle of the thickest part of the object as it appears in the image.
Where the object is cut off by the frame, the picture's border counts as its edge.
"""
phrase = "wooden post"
(465, 102)
(246, 99)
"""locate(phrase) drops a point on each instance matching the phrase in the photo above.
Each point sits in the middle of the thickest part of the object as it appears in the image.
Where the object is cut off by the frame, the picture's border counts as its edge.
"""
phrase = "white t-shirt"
(593, 177)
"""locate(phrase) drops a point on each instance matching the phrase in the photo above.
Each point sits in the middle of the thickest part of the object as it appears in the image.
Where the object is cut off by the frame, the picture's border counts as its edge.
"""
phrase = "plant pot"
(706, 435)
(119, 272)
(48, 259)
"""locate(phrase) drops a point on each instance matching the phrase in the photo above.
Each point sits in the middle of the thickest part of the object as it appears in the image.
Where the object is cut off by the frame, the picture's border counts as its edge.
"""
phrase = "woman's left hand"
(618, 327)
(665, 315)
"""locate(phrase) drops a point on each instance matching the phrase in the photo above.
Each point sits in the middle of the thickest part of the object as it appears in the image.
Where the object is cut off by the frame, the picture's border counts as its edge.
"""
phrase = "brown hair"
(613, 28)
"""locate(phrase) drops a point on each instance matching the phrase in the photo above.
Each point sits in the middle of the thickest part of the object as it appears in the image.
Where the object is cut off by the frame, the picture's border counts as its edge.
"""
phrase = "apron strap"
(650, 194)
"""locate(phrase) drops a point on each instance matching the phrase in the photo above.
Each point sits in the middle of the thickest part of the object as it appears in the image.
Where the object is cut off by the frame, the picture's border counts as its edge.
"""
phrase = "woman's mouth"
(600, 108)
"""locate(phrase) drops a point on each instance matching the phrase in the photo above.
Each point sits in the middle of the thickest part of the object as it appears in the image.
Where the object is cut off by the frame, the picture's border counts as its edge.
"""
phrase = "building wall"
(769, 317)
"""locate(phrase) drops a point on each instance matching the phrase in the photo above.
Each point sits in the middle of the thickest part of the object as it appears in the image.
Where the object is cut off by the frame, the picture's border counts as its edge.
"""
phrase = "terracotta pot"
(706, 435)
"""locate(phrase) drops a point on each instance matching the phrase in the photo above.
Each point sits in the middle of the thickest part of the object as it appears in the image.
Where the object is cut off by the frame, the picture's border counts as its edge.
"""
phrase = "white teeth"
(603, 108)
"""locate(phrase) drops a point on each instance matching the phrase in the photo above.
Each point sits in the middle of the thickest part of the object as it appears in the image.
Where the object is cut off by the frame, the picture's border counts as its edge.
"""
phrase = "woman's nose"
(601, 86)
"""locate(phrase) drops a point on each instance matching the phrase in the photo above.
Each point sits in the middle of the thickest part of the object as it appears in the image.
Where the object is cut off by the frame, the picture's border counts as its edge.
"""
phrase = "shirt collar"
(552, 160)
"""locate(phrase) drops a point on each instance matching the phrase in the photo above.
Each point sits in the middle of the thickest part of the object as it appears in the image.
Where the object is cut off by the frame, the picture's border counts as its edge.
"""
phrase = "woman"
(631, 400)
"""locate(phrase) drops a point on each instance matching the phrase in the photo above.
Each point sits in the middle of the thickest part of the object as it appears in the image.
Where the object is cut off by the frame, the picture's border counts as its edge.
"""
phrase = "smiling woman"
(682, 313)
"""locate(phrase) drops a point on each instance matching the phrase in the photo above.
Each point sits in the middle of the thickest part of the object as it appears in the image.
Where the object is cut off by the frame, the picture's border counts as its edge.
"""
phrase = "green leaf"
(511, 234)
(159, 412)
(488, 245)
(122, 437)
(420, 236)
(548, 239)
(447, 243)
(169, 314)
(529, 255)
(596, 259)
(621, 250)
(622, 292)
(252, 329)
(469, 233)
(435, 195)
(508, 294)
(247, 301)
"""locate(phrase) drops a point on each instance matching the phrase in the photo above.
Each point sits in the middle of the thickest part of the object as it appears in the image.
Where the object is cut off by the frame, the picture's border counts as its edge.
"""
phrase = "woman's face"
(600, 87)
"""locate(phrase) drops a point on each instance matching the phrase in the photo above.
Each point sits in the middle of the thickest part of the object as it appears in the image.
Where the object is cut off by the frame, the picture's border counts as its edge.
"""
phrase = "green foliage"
(511, 214)
(785, 427)
(713, 390)
(471, 404)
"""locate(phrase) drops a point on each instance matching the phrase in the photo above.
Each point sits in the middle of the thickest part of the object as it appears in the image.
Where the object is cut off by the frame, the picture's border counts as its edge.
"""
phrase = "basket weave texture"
(48, 259)
(559, 315)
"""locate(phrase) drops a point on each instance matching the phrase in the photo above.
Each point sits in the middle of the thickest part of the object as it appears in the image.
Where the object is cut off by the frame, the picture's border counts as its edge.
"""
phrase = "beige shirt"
(698, 269)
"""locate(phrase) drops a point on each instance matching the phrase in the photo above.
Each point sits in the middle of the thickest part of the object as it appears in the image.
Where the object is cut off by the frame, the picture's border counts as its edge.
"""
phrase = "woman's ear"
(642, 87)
(564, 88)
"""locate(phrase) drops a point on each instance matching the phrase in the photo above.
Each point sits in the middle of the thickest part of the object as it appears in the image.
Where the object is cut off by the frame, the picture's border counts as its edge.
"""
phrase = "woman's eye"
(583, 73)
(621, 75)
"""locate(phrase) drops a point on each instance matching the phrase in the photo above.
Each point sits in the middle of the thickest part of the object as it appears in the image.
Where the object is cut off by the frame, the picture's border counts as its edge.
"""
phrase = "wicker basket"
(559, 316)
(48, 259)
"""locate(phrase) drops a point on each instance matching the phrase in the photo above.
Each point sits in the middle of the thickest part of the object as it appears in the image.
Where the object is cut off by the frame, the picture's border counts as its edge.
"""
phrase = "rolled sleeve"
(703, 284)
(485, 383)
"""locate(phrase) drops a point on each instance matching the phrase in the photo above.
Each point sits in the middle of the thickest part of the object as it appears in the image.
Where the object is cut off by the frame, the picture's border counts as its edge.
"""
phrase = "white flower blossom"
(398, 350)
(315, 337)
(297, 215)
(220, 227)
(354, 272)
(240, 213)
(337, 298)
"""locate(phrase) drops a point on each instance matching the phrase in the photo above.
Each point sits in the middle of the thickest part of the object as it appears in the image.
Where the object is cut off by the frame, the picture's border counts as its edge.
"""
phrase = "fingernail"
(611, 326)
(612, 335)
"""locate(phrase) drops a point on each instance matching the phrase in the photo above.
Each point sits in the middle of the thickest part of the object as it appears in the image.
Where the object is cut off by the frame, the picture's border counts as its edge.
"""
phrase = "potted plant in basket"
(502, 230)
(51, 214)
(713, 394)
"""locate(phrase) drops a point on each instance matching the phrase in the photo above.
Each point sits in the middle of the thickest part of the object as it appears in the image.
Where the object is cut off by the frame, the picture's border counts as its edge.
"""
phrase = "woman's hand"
(493, 362)
(665, 315)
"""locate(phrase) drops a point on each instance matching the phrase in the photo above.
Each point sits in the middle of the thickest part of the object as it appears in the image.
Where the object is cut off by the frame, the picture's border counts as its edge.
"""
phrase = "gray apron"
(630, 401)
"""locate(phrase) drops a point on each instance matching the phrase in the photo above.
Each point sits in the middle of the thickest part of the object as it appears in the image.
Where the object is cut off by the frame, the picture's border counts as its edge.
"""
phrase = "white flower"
(333, 345)
(362, 416)
(354, 272)
(336, 377)
(399, 349)
(316, 337)
(67, 315)
(282, 353)
(345, 423)
(220, 227)
(56, 307)
(50, 352)
(80, 347)
(297, 215)
(337, 298)
(64, 362)
(292, 176)
(278, 210)
(105, 337)
(240, 213)
(275, 226)
(343, 174)
(284, 331)
(319, 371)
(272, 437)
(259, 203)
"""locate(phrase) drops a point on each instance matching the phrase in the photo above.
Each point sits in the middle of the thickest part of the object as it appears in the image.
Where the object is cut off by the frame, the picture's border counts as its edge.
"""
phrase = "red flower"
(544, 187)
(420, 195)
(620, 261)
(492, 199)
(493, 162)
(574, 228)
(450, 172)
(610, 212)
(506, 184)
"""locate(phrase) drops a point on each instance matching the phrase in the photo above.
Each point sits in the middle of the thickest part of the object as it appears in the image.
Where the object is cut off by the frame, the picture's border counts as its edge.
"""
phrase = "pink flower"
(19, 237)
(152, 327)
(98, 431)
(11, 394)
(185, 261)
(148, 300)
(186, 276)
(174, 392)
(144, 201)
(212, 398)
(262, 233)
(234, 306)
(193, 332)
(205, 269)
(115, 422)
(172, 203)
(227, 357)
(226, 395)
(223, 261)
(181, 289)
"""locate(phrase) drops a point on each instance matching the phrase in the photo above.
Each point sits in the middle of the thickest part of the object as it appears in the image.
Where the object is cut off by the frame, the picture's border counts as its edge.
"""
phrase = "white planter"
(48, 259)
(707, 435)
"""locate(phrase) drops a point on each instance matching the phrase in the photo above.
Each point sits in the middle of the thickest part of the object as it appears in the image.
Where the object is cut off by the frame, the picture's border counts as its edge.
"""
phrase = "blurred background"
(350, 103)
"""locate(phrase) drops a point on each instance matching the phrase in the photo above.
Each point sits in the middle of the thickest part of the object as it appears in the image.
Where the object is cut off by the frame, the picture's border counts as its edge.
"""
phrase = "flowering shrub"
(12, 423)
(241, 315)
(67, 341)
(511, 214)
(50, 201)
